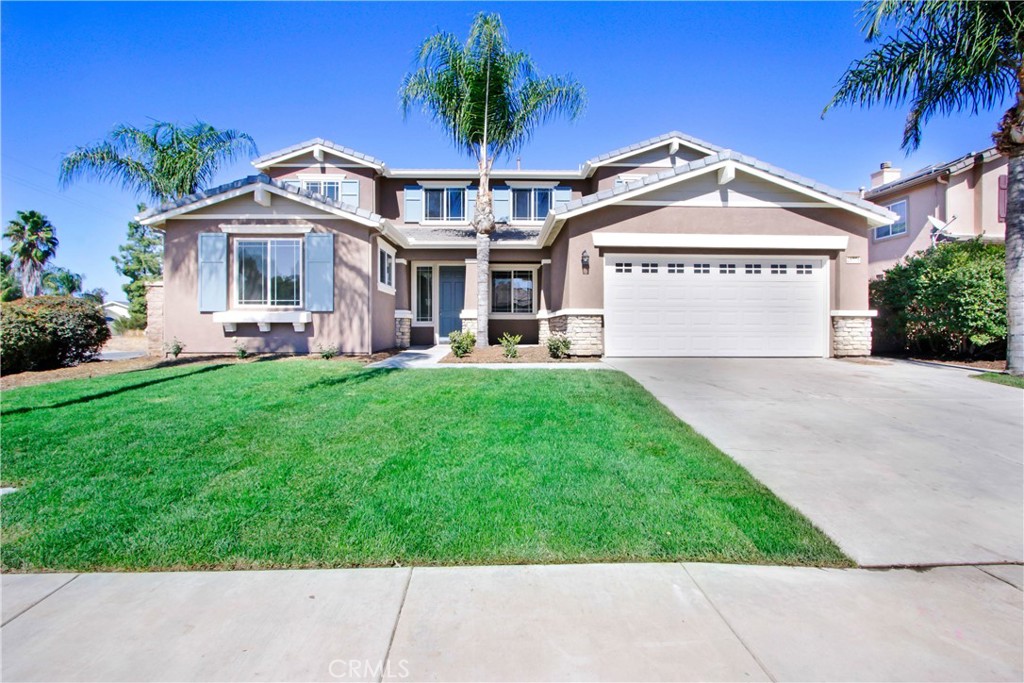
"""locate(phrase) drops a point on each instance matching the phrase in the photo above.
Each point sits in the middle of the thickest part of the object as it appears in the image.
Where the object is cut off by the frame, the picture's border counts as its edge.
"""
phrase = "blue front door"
(453, 294)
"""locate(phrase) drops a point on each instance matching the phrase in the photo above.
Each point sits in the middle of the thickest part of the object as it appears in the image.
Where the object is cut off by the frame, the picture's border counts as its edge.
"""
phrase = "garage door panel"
(712, 306)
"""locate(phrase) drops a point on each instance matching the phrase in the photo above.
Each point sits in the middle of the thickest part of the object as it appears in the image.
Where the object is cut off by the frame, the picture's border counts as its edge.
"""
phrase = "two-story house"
(669, 247)
(955, 200)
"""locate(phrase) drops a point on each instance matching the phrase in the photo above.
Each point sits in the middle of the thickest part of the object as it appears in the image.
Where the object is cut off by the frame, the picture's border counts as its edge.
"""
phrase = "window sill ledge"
(264, 319)
(381, 287)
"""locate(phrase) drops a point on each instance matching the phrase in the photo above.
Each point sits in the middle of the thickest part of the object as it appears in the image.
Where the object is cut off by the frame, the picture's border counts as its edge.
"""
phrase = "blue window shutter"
(502, 204)
(470, 202)
(562, 196)
(350, 192)
(213, 271)
(413, 203)
(320, 271)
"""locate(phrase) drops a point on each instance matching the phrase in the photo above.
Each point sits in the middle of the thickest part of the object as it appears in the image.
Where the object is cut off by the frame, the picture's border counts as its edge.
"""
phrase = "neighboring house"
(961, 199)
(114, 310)
(669, 247)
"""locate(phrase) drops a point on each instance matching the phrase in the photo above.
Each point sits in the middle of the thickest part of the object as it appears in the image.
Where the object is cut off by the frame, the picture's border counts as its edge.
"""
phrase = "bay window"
(268, 272)
(531, 204)
(512, 291)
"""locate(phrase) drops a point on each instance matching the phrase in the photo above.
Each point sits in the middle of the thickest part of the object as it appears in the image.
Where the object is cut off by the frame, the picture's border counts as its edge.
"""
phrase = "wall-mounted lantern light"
(585, 262)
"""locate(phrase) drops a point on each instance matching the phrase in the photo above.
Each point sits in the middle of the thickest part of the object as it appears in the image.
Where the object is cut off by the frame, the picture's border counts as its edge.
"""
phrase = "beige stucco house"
(956, 200)
(668, 247)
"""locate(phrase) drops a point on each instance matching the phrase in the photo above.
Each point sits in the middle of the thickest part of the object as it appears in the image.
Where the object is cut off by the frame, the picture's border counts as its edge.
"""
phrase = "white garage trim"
(731, 305)
(658, 240)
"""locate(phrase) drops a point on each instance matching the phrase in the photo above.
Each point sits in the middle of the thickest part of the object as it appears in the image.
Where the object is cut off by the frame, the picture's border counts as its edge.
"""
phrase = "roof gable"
(641, 150)
(318, 147)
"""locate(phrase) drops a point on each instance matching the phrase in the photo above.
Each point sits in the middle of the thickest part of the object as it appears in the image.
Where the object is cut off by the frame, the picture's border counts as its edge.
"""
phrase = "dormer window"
(444, 204)
(342, 190)
(531, 204)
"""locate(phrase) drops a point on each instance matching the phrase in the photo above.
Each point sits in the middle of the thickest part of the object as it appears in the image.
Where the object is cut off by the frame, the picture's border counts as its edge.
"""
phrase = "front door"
(452, 296)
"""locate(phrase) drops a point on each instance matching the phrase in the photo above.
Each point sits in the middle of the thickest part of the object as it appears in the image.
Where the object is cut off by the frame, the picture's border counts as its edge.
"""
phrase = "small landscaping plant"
(240, 351)
(48, 332)
(947, 301)
(462, 343)
(558, 345)
(174, 347)
(327, 352)
(510, 344)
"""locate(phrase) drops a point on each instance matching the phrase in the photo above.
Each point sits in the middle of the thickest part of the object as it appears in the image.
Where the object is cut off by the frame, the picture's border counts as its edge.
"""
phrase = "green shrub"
(47, 332)
(241, 352)
(327, 352)
(129, 322)
(462, 343)
(558, 345)
(174, 347)
(510, 344)
(947, 301)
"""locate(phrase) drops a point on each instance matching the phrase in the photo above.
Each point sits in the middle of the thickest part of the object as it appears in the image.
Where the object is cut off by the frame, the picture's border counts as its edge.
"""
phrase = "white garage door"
(715, 306)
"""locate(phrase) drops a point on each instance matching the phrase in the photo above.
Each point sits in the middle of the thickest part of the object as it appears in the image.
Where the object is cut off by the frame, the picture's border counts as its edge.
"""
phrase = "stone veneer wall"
(586, 332)
(403, 332)
(469, 325)
(155, 318)
(851, 336)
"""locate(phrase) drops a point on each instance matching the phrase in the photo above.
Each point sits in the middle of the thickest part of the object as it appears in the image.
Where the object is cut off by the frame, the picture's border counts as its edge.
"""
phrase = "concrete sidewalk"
(423, 357)
(559, 622)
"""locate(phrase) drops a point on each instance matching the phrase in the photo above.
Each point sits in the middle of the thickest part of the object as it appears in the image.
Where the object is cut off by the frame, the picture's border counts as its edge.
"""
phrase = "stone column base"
(586, 332)
(851, 334)
(403, 330)
(155, 318)
(469, 325)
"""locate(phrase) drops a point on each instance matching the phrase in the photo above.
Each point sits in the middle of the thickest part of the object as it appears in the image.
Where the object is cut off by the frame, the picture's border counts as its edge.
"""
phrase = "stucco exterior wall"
(365, 176)
(346, 328)
(923, 200)
(574, 289)
(382, 305)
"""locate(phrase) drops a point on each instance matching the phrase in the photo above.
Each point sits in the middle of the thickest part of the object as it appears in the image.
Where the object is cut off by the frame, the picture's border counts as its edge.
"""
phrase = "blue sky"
(748, 76)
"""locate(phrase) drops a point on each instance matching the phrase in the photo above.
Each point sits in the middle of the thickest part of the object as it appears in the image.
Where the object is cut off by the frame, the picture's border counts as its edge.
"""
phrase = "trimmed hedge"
(947, 301)
(47, 332)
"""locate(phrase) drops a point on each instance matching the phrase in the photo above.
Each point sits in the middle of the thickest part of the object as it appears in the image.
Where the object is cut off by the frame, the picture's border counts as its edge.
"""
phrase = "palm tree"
(61, 281)
(164, 161)
(9, 287)
(33, 243)
(946, 56)
(489, 100)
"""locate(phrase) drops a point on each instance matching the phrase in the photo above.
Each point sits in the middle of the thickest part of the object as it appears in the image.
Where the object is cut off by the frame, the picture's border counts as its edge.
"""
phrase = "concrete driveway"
(900, 463)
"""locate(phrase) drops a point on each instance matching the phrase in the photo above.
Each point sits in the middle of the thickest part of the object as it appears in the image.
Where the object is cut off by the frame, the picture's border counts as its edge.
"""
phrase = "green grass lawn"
(309, 463)
(1000, 378)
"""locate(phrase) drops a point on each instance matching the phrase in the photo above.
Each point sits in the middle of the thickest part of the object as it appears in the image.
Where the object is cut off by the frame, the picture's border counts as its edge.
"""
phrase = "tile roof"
(651, 141)
(323, 143)
(960, 163)
(253, 180)
(723, 155)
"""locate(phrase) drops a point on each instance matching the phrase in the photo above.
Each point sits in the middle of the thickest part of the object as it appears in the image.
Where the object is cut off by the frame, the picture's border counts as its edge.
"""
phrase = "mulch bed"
(992, 365)
(527, 354)
(99, 368)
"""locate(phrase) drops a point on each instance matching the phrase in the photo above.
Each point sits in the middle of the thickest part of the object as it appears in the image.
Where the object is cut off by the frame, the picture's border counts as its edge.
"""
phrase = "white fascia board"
(313, 149)
(874, 220)
(469, 244)
(246, 189)
(589, 167)
(854, 314)
(472, 174)
(623, 240)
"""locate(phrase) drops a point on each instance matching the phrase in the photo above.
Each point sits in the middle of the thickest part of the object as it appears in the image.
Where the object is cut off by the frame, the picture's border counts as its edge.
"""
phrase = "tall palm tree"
(489, 99)
(33, 243)
(61, 281)
(946, 56)
(164, 161)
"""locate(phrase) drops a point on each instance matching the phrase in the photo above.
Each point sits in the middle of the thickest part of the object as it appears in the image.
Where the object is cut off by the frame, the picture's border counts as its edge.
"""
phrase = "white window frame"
(888, 229)
(415, 291)
(533, 190)
(445, 217)
(237, 263)
(304, 179)
(384, 282)
(509, 268)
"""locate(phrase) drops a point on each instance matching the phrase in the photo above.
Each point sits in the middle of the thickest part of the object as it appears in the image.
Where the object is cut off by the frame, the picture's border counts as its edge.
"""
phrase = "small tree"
(9, 287)
(141, 261)
(33, 244)
(61, 281)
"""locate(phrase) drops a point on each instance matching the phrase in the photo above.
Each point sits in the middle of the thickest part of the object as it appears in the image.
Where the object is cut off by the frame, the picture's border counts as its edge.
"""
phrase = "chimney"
(519, 163)
(885, 174)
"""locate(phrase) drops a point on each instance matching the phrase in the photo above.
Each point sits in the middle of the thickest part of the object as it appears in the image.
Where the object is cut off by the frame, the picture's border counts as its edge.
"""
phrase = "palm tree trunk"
(483, 286)
(1015, 264)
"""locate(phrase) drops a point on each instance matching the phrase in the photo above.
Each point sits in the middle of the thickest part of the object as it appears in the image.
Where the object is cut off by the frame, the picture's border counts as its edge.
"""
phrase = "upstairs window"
(386, 268)
(531, 204)
(897, 228)
(268, 272)
(444, 204)
(343, 190)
